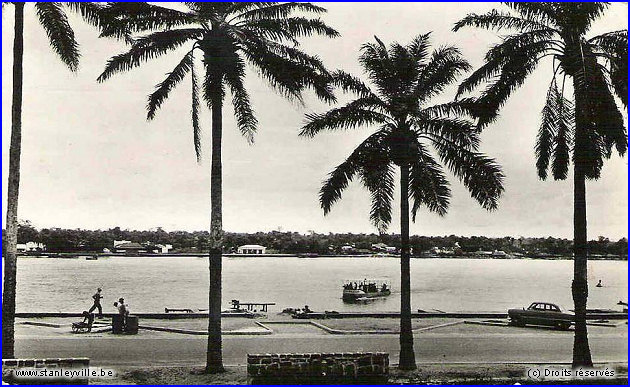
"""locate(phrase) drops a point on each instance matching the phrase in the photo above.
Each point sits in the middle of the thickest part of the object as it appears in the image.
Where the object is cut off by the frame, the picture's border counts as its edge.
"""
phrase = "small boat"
(91, 257)
(365, 290)
(308, 255)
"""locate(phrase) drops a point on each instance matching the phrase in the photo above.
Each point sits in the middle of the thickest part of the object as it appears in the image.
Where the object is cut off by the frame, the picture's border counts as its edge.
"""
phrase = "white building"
(163, 249)
(30, 246)
(118, 243)
(251, 249)
(383, 247)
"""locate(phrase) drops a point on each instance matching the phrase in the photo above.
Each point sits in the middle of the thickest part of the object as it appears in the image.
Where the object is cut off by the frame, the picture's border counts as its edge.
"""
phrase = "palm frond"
(563, 139)
(378, 66)
(350, 83)
(163, 89)
(377, 175)
(577, 17)
(544, 13)
(481, 175)
(237, 7)
(547, 131)
(462, 107)
(90, 12)
(245, 119)
(290, 28)
(357, 113)
(278, 11)
(461, 132)
(601, 108)
(419, 46)
(290, 53)
(428, 185)
(518, 42)
(592, 151)
(615, 46)
(195, 114)
(148, 47)
(445, 66)
(121, 19)
(497, 20)
(289, 77)
(512, 75)
(339, 178)
(54, 20)
(514, 51)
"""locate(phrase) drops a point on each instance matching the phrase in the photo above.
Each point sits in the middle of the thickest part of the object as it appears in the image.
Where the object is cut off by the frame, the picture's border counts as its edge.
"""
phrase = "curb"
(204, 333)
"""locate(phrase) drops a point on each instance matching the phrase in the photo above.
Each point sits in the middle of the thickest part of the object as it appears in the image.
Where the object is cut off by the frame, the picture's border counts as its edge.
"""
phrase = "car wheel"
(564, 326)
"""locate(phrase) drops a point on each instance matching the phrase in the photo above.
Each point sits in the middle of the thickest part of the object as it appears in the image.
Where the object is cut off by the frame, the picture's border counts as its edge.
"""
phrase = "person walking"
(97, 303)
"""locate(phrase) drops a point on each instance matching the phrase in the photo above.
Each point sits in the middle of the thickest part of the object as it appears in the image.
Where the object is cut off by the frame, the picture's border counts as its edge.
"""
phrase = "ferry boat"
(365, 290)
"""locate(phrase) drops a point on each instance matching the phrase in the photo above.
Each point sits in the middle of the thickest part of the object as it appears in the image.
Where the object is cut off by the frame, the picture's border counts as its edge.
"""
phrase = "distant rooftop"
(130, 245)
(252, 247)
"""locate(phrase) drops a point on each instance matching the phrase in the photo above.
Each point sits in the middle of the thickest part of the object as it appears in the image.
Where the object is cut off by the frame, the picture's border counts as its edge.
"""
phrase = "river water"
(149, 284)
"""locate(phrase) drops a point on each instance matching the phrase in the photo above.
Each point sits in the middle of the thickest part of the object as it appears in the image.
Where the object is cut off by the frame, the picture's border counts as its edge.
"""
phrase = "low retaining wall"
(46, 371)
(164, 316)
(318, 367)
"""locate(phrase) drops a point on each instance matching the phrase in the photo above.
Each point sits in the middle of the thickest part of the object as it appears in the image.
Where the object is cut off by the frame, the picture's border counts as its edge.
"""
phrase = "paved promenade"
(450, 344)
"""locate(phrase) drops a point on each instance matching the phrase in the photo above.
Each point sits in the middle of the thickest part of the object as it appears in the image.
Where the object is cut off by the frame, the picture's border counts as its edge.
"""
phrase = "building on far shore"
(30, 246)
(382, 247)
(163, 249)
(251, 249)
(130, 248)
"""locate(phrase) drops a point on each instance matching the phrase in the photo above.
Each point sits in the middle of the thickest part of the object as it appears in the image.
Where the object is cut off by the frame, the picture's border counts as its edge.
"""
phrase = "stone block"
(350, 369)
(253, 369)
(364, 361)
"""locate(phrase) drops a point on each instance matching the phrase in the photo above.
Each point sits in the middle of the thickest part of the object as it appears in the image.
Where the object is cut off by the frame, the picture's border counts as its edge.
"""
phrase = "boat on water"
(91, 257)
(308, 255)
(365, 290)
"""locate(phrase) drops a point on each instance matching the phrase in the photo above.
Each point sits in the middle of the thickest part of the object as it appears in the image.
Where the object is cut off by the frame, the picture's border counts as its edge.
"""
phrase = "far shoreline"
(349, 256)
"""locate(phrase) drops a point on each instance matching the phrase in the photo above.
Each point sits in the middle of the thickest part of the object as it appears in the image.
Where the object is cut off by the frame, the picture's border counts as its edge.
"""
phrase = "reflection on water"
(149, 284)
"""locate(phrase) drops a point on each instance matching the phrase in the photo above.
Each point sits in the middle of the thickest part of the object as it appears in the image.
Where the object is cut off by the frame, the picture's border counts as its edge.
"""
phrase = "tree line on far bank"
(58, 240)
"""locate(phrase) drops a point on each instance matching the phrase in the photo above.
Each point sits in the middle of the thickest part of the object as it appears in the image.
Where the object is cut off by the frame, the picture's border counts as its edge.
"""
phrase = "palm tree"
(53, 18)
(226, 36)
(405, 80)
(583, 129)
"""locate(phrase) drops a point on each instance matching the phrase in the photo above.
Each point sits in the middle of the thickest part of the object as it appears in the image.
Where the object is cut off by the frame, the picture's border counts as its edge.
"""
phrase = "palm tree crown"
(584, 129)
(405, 79)
(597, 66)
(52, 17)
(228, 35)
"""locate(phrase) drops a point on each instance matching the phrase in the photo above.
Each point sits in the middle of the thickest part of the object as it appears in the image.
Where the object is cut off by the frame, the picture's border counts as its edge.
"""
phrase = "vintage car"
(541, 313)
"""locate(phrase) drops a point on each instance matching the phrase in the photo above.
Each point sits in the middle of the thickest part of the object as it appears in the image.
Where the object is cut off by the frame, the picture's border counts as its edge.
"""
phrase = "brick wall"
(8, 365)
(318, 366)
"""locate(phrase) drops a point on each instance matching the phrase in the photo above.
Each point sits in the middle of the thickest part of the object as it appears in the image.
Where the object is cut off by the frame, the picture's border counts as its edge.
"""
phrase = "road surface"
(447, 345)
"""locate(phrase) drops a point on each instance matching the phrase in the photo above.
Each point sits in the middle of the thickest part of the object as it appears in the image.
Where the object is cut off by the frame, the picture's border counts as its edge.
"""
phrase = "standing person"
(97, 303)
(123, 311)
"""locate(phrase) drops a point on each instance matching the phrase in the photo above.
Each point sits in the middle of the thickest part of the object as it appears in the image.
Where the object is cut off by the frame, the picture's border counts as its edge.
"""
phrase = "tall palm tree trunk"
(407, 357)
(579, 287)
(10, 260)
(214, 360)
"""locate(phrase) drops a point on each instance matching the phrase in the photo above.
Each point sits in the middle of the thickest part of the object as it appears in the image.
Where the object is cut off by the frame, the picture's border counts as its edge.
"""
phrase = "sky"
(91, 160)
